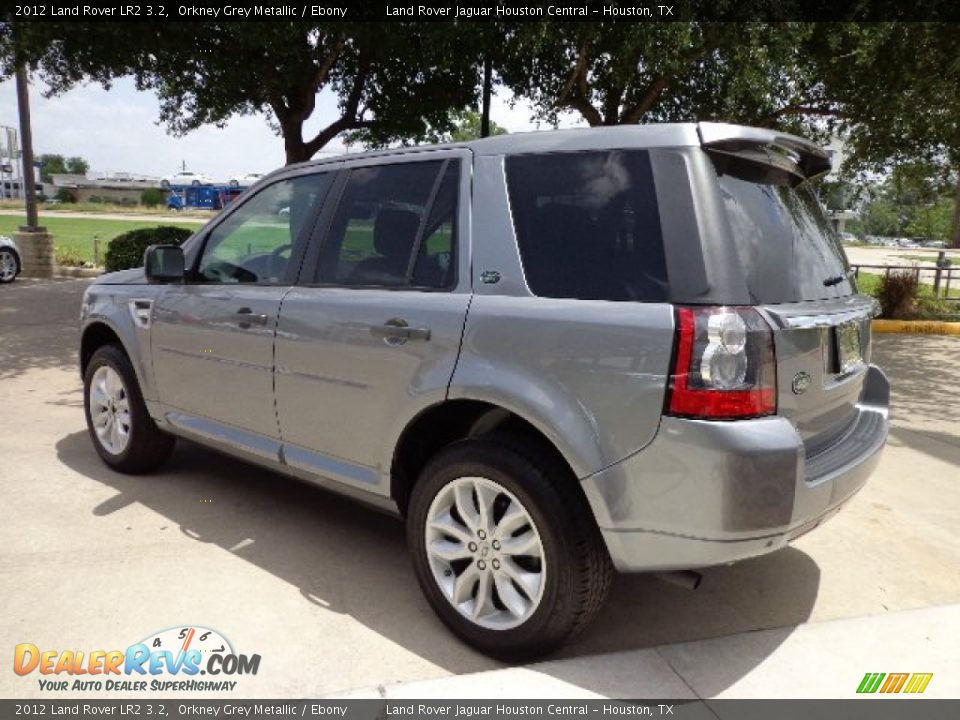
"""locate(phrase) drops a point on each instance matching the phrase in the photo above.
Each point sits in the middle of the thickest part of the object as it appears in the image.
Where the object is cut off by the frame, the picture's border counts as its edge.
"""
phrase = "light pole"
(36, 246)
(26, 139)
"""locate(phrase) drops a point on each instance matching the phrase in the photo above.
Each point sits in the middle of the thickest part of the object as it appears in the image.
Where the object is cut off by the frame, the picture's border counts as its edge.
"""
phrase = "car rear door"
(371, 334)
(212, 336)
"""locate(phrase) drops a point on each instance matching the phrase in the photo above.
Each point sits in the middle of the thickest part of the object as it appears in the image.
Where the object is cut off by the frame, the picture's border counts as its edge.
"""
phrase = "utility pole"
(485, 109)
(26, 140)
(36, 246)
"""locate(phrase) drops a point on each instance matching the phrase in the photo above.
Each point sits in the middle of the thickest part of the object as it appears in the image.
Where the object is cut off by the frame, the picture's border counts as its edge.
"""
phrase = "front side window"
(588, 226)
(255, 244)
(394, 227)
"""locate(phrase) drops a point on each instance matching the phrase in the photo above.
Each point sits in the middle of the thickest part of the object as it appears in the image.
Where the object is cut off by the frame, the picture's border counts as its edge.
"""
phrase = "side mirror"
(164, 264)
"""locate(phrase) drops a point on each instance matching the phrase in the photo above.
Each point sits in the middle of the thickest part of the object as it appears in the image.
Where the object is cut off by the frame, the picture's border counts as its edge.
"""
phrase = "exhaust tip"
(687, 579)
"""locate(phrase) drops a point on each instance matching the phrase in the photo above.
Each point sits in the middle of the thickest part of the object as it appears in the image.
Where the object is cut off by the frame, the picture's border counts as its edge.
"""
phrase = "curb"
(80, 272)
(916, 327)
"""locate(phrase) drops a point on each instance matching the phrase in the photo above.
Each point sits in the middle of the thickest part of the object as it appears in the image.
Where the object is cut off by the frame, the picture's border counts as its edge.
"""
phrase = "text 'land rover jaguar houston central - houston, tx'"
(555, 354)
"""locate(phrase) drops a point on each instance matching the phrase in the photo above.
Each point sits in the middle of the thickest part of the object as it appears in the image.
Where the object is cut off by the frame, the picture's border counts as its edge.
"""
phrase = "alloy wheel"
(485, 553)
(110, 410)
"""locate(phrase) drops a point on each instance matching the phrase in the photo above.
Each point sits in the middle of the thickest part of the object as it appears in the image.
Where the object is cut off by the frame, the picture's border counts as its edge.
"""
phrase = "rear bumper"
(707, 493)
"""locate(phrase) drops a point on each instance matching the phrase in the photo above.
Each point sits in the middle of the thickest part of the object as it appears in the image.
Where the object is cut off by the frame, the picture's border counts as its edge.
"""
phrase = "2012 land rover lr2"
(557, 355)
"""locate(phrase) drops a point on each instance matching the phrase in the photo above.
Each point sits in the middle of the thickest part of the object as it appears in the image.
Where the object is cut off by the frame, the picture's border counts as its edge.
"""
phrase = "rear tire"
(551, 575)
(123, 433)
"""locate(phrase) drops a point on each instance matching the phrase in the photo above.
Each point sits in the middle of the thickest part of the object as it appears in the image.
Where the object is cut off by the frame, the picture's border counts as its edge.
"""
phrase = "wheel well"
(16, 257)
(95, 337)
(454, 420)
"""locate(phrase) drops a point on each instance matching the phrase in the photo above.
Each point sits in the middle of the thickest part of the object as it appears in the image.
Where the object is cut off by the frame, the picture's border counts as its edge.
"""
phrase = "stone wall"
(36, 253)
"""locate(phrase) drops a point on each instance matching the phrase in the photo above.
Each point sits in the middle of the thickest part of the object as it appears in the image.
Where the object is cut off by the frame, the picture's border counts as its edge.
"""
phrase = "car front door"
(212, 336)
(372, 335)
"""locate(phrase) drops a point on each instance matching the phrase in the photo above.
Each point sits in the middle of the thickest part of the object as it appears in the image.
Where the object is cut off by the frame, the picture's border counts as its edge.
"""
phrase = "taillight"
(724, 366)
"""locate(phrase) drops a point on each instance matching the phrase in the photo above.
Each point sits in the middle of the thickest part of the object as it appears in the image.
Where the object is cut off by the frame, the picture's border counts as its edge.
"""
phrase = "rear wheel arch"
(448, 422)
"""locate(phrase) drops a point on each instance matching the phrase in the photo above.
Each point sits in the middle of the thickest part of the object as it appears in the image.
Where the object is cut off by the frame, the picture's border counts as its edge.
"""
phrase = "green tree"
(881, 217)
(392, 80)
(53, 164)
(890, 90)
(464, 126)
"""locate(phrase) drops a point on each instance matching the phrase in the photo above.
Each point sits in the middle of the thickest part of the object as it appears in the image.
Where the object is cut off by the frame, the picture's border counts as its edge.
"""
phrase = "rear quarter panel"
(591, 375)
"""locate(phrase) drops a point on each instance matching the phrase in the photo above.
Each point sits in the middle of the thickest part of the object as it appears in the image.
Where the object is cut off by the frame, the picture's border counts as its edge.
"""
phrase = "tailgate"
(823, 351)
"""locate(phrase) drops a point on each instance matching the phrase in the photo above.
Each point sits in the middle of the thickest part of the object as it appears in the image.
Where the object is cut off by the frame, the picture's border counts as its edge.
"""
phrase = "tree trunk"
(955, 232)
(292, 131)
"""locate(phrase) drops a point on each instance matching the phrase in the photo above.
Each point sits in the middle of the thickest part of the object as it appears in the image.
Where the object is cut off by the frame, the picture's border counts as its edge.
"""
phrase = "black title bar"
(485, 11)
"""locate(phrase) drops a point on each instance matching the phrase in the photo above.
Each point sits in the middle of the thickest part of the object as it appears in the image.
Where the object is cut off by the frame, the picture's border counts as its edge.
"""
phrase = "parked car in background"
(554, 354)
(10, 264)
(186, 177)
(937, 244)
(848, 238)
(245, 180)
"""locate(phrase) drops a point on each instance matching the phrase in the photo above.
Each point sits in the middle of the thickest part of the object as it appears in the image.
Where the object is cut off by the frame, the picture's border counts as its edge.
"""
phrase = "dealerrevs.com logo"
(169, 660)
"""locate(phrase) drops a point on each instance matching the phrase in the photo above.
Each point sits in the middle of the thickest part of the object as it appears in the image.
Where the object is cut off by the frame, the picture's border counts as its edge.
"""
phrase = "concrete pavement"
(323, 591)
(813, 661)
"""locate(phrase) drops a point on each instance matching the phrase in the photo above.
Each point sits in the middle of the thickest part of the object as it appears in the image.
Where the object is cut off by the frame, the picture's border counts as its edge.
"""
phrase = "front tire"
(123, 433)
(505, 548)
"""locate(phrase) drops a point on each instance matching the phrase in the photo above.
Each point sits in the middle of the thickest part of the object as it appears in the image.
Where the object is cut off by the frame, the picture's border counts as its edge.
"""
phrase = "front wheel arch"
(94, 337)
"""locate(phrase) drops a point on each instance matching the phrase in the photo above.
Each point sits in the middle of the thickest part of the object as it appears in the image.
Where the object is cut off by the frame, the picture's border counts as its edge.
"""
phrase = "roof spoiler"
(795, 155)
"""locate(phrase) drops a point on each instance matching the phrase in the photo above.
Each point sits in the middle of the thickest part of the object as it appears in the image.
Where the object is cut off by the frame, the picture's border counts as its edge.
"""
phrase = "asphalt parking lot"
(323, 590)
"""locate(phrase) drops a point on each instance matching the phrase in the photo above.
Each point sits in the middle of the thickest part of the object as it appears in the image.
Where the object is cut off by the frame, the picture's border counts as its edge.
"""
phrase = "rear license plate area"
(847, 355)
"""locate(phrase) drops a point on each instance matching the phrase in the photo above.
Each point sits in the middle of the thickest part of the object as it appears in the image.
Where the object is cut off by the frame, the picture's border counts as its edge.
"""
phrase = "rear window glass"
(587, 225)
(784, 243)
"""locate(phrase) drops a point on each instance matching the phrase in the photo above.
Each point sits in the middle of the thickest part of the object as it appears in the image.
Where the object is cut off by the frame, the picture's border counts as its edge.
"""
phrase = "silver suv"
(556, 355)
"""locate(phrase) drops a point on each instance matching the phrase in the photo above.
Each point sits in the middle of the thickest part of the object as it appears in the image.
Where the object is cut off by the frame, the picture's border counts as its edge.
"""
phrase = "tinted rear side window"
(784, 243)
(587, 225)
(394, 227)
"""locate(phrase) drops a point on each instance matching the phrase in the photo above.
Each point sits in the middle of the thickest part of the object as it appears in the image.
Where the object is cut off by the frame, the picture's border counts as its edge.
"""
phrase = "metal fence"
(941, 274)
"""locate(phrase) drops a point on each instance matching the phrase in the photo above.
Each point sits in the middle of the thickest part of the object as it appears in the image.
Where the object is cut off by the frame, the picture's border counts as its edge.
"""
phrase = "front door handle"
(246, 318)
(397, 332)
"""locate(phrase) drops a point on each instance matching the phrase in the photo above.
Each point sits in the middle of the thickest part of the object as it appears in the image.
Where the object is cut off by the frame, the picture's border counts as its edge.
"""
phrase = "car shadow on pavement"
(317, 540)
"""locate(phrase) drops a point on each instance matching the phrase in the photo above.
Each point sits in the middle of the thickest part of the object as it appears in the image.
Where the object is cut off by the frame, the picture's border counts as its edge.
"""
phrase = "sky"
(117, 130)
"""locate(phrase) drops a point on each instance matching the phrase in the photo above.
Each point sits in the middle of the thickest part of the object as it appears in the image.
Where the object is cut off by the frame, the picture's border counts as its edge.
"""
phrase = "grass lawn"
(77, 234)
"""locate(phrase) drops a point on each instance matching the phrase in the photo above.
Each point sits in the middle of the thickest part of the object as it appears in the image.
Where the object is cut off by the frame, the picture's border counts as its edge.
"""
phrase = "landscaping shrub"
(67, 257)
(65, 196)
(897, 295)
(152, 197)
(95, 199)
(126, 251)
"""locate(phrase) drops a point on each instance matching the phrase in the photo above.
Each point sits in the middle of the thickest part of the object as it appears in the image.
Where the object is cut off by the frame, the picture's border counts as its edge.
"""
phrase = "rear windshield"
(784, 242)
(587, 225)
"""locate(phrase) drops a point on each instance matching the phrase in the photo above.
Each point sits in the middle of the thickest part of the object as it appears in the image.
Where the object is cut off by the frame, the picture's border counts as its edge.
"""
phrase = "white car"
(245, 180)
(186, 177)
(10, 264)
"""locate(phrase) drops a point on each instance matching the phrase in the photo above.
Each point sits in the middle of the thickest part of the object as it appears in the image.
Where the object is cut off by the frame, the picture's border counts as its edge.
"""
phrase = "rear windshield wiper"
(836, 279)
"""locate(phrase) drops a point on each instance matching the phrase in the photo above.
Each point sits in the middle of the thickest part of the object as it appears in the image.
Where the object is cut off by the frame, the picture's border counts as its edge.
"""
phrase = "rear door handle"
(396, 331)
(247, 318)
